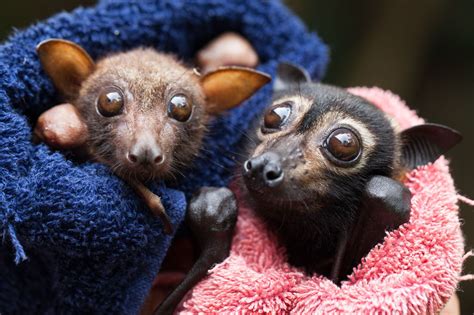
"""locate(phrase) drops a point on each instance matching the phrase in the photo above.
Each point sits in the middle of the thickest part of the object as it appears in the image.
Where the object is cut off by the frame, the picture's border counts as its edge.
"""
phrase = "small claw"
(157, 208)
(153, 202)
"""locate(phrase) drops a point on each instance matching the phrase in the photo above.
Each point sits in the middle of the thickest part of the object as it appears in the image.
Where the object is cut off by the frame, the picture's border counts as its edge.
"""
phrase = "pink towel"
(415, 270)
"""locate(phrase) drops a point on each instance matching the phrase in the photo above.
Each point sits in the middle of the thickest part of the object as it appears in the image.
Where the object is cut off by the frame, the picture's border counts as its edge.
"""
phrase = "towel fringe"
(467, 277)
(465, 200)
(20, 255)
(467, 255)
(8, 229)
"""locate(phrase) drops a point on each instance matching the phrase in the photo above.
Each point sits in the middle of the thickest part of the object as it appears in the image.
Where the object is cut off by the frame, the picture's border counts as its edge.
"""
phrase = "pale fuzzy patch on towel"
(415, 270)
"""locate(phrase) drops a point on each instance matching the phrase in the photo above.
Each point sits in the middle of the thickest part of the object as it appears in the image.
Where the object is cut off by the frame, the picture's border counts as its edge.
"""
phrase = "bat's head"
(317, 146)
(145, 111)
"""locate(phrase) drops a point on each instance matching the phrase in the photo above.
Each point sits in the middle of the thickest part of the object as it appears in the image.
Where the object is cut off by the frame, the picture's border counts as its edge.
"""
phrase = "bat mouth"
(277, 202)
(141, 171)
(275, 187)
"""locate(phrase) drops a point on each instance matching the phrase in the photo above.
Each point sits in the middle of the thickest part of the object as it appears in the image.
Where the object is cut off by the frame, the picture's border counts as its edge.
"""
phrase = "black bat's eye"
(180, 108)
(343, 147)
(110, 102)
(276, 116)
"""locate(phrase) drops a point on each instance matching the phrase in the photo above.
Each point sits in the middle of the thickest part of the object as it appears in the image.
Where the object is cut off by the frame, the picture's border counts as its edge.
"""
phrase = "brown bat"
(141, 112)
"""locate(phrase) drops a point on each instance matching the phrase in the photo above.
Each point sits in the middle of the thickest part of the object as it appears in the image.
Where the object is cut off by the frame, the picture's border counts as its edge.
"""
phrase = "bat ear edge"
(289, 74)
(227, 87)
(425, 143)
(66, 63)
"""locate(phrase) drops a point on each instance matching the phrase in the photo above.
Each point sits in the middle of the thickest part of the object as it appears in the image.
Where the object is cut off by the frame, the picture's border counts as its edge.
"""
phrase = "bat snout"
(145, 154)
(264, 170)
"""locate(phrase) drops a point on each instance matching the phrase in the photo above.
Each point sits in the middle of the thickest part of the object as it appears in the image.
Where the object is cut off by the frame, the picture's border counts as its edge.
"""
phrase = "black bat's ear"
(289, 74)
(66, 63)
(227, 87)
(425, 143)
(385, 206)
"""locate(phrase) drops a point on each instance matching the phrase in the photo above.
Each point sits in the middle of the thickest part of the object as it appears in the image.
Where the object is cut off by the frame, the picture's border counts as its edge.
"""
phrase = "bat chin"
(278, 198)
(150, 173)
(142, 172)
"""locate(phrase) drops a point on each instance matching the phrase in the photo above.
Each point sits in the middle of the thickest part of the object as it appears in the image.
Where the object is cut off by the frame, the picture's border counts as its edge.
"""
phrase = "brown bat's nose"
(145, 154)
(264, 169)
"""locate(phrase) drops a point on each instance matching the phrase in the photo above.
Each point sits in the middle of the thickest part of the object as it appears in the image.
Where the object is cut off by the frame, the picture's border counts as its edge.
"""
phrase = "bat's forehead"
(145, 61)
(146, 81)
(315, 115)
(317, 107)
(150, 77)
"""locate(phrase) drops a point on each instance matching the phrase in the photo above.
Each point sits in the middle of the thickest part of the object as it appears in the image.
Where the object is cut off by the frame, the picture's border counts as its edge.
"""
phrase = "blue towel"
(75, 238)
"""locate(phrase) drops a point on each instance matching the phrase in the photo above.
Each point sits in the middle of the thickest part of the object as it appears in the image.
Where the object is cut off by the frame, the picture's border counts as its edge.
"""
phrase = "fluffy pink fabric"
(415, 270)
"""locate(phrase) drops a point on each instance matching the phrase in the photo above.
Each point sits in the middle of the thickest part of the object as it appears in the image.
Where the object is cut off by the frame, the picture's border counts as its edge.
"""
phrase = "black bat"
(325, 169)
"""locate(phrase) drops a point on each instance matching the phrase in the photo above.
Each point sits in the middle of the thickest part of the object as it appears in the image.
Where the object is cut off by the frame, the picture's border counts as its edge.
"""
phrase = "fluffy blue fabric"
(75, 238)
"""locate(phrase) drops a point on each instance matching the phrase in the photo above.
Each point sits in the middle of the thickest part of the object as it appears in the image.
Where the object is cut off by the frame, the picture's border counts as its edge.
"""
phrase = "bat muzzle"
(264, 170)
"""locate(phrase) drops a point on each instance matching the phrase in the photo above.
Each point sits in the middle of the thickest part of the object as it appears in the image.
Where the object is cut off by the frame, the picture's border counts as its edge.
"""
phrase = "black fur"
(310, 222)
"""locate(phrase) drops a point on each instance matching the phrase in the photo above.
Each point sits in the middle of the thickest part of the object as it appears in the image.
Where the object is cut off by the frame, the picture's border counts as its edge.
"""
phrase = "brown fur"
(141, 112)
(141, 127)
(148, 79)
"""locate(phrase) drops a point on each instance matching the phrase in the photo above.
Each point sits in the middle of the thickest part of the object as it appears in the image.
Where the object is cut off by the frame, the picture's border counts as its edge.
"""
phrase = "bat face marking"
(309, 154)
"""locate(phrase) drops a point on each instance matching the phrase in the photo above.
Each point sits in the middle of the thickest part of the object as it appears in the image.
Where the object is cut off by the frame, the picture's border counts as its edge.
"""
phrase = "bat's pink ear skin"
(227, 87)
(66, 63)
(61, 127)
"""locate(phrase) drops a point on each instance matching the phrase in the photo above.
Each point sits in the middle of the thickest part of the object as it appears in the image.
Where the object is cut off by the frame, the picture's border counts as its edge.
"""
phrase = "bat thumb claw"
(160, 212)
(167, 226)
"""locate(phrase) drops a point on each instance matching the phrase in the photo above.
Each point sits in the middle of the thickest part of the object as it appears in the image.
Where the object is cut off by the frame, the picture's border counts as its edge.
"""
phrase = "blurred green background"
(422, 50)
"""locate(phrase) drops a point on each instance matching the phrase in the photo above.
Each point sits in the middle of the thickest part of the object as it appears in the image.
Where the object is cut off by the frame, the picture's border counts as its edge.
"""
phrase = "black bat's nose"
(265, 169)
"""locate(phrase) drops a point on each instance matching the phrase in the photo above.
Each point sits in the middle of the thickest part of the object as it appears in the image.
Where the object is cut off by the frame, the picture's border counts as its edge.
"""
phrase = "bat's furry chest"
(312, 258)
(311, 239)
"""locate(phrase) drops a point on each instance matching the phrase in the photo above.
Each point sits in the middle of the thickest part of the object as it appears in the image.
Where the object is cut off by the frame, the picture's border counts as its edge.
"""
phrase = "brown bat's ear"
(227, 87)
(425, 143)
(289, 75)
(66, 63)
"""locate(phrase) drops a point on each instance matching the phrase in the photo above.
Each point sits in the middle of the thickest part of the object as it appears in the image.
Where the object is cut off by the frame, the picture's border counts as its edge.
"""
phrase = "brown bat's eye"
(180, 108)
(110, 102)
(276, 117)
(343, 146)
